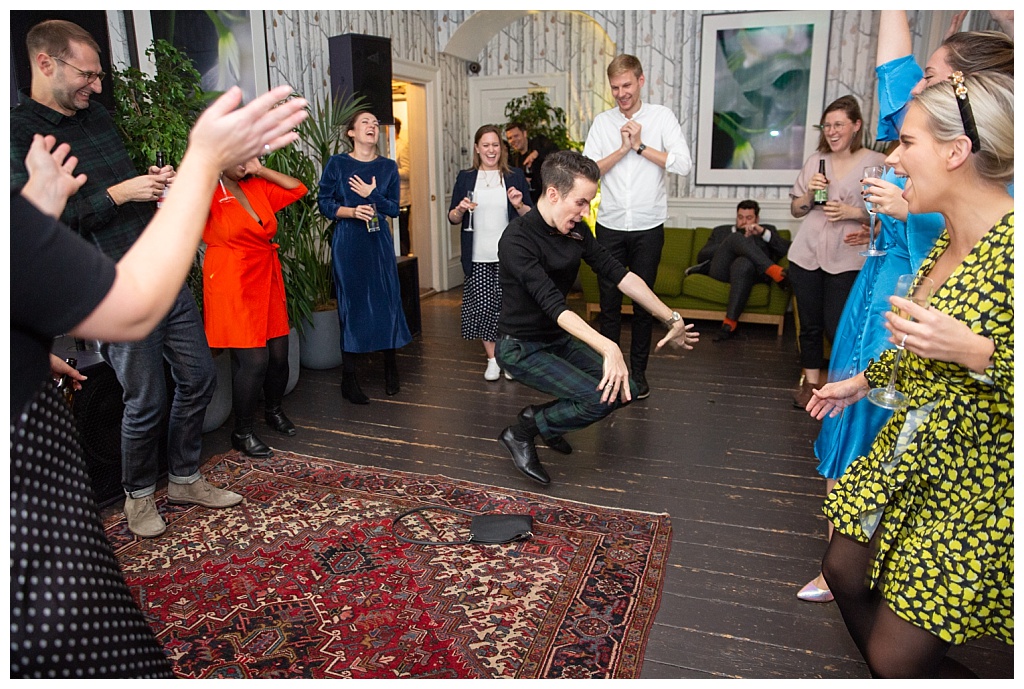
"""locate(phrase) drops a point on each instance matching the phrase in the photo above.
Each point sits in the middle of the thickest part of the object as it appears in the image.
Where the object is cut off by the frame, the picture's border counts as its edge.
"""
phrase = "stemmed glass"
(917, 289)
(225, 196)
(875, 171)
(470, 196)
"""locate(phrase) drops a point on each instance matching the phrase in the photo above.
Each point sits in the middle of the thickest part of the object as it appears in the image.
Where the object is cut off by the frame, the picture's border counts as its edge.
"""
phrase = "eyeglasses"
(88, 76)
(838, 126)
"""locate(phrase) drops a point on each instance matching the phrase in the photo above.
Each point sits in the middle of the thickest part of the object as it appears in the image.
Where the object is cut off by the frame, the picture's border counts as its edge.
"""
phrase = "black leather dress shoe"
(248, 443)
(524, 456)
(557, 443)
(276, 419)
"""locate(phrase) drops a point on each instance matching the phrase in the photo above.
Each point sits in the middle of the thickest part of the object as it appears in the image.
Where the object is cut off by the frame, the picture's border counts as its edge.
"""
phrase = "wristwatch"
(673, 320)
(640, 150)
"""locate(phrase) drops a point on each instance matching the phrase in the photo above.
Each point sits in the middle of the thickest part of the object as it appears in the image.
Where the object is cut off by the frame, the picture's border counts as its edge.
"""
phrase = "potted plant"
(537, 114)
(304, 235)
(155, 114)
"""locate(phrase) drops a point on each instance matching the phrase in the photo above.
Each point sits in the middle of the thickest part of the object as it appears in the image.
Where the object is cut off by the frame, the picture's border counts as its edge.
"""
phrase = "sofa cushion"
(710, 289)
(669, 282)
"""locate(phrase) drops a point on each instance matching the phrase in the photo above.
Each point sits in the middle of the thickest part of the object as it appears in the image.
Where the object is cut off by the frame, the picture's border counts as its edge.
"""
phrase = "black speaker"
(361, 66)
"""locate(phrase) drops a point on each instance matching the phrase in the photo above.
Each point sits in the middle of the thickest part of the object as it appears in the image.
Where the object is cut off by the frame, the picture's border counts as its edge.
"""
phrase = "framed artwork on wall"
(228, 47)
(762, 85)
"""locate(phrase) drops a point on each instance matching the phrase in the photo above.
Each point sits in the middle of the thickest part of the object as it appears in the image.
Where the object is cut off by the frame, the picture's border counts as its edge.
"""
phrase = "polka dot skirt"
(71, 613)
(481, 303)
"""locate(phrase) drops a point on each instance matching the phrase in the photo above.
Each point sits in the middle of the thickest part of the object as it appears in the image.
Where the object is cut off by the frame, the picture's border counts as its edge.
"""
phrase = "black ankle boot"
(246, 442)
(391, 385)
(275, 418)
(351, 391)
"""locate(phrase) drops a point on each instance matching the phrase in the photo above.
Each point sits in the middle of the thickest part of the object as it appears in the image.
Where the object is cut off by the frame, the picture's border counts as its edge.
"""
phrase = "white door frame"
(556, 84)
(428, 77)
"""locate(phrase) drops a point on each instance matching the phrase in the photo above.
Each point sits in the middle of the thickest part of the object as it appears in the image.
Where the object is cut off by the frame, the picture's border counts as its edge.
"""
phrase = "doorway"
(411, 98)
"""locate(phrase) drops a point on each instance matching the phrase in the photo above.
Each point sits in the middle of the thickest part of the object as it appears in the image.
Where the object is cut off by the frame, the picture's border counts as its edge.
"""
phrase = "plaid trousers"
(566, 369)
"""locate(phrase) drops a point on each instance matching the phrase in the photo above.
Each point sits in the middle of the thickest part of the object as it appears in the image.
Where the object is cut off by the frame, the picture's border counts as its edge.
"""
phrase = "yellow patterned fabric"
(936, 490)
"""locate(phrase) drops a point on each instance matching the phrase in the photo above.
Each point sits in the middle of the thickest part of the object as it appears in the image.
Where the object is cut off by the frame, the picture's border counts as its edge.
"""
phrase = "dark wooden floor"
(717, 446)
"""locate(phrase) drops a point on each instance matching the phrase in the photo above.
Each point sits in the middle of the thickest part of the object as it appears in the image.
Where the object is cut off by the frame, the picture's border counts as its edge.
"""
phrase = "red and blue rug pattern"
(306, 579)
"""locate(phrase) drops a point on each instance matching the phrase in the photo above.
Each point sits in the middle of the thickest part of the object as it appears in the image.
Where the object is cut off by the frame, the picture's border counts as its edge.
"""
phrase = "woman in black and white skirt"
(484, 199)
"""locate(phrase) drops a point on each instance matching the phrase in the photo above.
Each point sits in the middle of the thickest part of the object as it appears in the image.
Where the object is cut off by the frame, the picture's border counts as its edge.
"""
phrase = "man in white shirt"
(634, 145)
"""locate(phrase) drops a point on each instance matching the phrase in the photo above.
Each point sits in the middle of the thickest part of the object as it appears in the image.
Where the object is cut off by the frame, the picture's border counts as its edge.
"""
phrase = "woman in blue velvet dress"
(907, 239)
(360, 190)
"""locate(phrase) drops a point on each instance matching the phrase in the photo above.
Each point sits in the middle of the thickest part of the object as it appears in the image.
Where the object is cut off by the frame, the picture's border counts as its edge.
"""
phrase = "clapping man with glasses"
(542, 342)
(111, 209)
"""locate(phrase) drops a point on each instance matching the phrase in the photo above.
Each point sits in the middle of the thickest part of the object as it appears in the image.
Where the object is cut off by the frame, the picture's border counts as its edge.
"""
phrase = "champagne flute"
(470, 196)
(917, 289)
(875, 171)
(225, 196)
(373, 224)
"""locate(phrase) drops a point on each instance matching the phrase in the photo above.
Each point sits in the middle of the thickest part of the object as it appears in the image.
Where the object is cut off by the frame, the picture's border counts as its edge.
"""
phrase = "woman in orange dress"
(243, 294)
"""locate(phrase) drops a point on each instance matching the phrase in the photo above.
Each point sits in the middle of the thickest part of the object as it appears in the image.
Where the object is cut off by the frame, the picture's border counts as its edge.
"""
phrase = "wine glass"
(875, 171)
(917, 289)
(470, 196)
(225, 196)
(373, 224)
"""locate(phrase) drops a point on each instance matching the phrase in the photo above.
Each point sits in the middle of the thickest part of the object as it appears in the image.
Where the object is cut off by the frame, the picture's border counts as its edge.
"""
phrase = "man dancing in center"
(544, 344)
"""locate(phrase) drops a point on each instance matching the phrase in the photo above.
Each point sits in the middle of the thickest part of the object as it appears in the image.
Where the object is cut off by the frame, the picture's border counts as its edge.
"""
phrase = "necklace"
(490, 178)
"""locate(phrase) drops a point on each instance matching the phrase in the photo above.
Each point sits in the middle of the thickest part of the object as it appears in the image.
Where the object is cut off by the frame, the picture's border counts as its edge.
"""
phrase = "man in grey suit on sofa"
(742, 255)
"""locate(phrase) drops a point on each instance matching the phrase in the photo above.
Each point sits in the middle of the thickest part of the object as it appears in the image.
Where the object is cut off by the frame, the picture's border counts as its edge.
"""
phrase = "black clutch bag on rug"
(486, 529)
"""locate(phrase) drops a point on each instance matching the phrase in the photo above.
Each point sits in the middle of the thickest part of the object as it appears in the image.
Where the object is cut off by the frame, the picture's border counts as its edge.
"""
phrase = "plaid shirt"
(95, 140)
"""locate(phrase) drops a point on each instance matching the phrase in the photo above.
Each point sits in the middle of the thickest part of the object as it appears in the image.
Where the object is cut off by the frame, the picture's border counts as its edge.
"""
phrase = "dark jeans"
(740, 262)
(139, 366)
(820, 298)
(640, 252)
(566, 369)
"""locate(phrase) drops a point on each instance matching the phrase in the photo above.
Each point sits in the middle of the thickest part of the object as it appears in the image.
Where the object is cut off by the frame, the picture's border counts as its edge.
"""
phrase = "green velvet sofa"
(697, 296)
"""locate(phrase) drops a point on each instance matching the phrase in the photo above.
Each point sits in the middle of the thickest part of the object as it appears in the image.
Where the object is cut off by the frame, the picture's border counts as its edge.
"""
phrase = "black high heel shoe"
(276, 419)
(351, 391)
(247, 443)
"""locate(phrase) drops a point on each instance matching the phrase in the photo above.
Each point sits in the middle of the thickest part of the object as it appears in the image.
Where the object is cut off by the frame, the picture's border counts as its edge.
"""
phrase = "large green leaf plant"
(156, 113)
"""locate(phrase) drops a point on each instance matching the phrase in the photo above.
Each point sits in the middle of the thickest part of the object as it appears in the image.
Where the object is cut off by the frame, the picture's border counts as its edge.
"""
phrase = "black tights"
(891, 646)
(255, 369)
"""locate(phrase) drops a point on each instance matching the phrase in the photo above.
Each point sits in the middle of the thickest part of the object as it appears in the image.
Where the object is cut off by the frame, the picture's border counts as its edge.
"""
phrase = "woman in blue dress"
(907, 239)
(360, 190)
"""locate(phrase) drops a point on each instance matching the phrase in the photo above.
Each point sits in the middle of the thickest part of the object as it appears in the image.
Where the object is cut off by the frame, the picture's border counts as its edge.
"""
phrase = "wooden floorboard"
(717, 446)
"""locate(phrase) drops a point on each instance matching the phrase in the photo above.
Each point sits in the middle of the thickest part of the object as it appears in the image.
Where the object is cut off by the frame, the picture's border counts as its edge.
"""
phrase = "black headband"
(966, 114)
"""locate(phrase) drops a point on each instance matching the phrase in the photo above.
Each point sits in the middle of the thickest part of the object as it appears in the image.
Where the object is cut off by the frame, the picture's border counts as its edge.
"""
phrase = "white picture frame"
(762, 86)
(241, 58)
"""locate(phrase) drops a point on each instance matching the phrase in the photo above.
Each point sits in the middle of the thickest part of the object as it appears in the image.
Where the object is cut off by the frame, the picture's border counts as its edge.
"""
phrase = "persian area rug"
(306, 579)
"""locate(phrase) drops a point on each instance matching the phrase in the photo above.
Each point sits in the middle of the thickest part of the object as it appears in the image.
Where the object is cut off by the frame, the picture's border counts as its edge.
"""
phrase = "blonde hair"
(625, 63)
(990, 95)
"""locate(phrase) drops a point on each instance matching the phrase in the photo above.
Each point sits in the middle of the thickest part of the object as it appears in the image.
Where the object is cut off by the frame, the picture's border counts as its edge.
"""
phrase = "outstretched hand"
(832, 398)
(228, 135)
(680, 335)
(51, 178)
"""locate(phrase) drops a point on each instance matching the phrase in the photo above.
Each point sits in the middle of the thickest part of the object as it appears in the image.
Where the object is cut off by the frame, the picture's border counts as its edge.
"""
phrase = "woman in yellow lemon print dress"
(922, 556)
